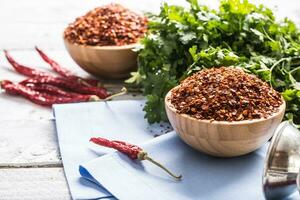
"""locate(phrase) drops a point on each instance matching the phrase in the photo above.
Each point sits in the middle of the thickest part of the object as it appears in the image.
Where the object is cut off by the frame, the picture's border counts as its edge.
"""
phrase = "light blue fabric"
(77, 123)
(204, 177)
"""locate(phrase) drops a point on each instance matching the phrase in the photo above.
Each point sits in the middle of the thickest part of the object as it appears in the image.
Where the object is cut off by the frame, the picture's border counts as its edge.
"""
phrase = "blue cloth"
(204, 177)
(77, 123)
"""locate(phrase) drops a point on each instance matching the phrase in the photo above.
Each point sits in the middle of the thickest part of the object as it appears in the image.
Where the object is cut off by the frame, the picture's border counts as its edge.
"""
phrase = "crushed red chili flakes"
(225, 94)
(107, 25)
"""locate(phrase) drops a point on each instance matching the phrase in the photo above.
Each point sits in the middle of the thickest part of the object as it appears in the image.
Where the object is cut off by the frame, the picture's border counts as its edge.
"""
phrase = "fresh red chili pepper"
(132, 151)
(27, 71)
(63, 83)
(41, 98)
(65, 72)
(52, 90)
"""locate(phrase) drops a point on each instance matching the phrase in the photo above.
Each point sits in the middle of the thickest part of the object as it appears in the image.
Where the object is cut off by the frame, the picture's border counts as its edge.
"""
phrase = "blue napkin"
(204, 177)
(77, 123)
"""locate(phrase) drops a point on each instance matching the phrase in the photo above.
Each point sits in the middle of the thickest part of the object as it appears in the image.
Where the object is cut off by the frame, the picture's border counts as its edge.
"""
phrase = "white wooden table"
(30, 164)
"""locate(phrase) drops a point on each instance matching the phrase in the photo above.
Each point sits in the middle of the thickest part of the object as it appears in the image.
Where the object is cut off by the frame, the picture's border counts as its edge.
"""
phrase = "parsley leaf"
(182, 41)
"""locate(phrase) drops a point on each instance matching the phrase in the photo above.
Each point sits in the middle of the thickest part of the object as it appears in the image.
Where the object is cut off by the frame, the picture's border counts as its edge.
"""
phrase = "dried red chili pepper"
(132, 151)
(71, 85)
(56, 91)
(49, 86)
(41, 98)
(52, 90)
(27, 71)
(65, 72)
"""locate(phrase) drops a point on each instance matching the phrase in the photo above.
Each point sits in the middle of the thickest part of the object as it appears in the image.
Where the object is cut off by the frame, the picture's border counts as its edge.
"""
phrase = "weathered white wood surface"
(33, 183)
(40, 22)
(30, 165)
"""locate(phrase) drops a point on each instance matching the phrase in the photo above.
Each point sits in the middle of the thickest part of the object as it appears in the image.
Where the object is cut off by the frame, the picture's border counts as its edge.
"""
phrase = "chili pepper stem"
(144, 156)
(122, 92)
(94, 98)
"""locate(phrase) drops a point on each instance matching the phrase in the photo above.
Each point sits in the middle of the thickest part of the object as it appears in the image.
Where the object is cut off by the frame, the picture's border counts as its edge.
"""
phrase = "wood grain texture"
(33, 183)
(44, 24)
(40, 22)
(108, 62)
(24, 142)
(223, 139)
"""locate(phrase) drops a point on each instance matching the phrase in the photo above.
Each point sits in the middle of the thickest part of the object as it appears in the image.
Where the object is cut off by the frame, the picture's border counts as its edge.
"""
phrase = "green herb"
(182, 41)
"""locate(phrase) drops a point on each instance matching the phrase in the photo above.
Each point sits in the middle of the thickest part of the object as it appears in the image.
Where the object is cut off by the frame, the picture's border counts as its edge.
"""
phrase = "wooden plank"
(63, 11)
(30, 141)
(33, 183)
(44, 26)
(25, 142)
(24, 25)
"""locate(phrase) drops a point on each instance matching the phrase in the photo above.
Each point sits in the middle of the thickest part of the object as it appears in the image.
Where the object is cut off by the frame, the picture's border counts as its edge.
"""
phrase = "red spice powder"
(107, 25)
(225, 94)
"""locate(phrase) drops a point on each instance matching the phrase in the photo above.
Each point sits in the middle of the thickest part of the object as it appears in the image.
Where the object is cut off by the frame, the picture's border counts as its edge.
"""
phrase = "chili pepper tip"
(5, 82)
(37, 49)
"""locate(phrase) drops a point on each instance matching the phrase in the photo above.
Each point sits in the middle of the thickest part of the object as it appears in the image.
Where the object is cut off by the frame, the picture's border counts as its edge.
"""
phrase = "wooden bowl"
(112, 62)
(223, 138)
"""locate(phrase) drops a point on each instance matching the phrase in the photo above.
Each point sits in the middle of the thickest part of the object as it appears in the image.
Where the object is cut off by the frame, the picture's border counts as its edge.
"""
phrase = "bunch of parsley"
(182, 41)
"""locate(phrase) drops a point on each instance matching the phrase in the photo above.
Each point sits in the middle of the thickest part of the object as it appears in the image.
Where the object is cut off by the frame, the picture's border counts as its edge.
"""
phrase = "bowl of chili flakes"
(102, 42)
(224, 111)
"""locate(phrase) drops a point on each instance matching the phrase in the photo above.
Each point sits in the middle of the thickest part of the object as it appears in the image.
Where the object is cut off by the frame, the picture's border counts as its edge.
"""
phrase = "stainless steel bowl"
(282, 165)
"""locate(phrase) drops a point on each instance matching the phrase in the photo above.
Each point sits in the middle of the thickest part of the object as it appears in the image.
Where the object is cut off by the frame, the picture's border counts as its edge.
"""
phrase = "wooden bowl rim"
(123, 47)
(243, 122)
